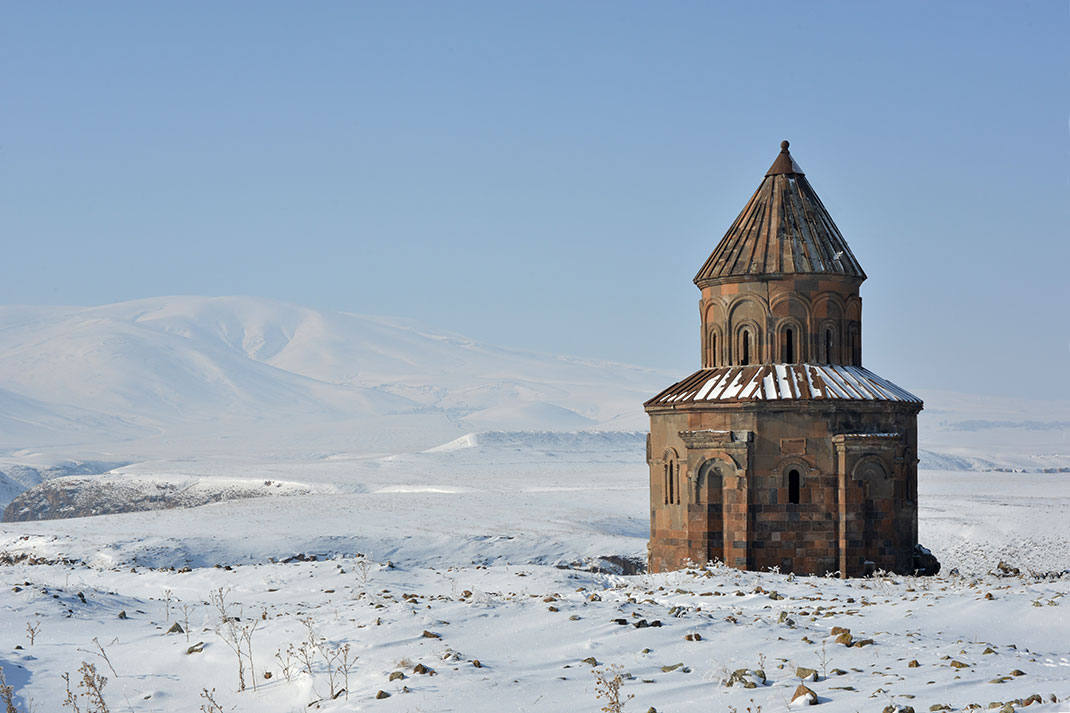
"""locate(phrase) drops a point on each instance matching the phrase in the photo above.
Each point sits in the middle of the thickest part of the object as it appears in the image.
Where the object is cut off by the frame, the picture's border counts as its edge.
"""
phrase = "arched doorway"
(710, 496)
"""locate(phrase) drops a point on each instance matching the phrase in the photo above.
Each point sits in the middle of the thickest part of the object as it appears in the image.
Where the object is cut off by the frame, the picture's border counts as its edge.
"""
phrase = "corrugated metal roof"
(783, 229)
(782, 382)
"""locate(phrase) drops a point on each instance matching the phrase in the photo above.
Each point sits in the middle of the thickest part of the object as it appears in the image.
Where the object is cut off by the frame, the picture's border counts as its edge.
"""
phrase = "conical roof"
(784, 229)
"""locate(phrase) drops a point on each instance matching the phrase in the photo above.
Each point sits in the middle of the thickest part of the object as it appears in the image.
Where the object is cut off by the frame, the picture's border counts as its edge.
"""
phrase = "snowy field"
(411, 521)
(486, 544)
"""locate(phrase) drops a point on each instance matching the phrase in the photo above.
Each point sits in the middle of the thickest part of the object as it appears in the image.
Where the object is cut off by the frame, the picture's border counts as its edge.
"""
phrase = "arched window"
(794, 483)
(856, 347)
(789, 346)
(745, 348)
(828, 346)
(668, 482)
(713, 348)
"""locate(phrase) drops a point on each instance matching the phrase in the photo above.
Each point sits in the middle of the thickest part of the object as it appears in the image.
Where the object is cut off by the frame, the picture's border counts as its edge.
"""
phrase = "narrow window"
(667, 484)
(671, 497)
(746, 348)
(828, 346)
(713, 349)
(789, 346)
(793, 486)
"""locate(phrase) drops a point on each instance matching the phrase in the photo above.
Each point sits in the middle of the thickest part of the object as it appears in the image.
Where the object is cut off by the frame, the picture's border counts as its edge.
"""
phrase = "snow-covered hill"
(170, 375)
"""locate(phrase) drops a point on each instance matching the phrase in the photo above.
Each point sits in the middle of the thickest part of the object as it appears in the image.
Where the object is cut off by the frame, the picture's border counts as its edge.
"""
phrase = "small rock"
(693, 637)
(844, 638)
(804, 696)
(477, 663)
(397, 676)
(806, 674)
(989, 650)
(1017, 672)
(430, 635)
(421, 669)
(667, 669)
(590, 660)
(196, 648)
(955, 663)
(122, 614)
(382, 694)
(863, 642)
(176, 628)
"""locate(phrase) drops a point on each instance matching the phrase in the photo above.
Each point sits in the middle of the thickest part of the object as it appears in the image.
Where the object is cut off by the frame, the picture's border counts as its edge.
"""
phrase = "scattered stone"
(806, 674)
(397, 676)
(424, 670)
(381, 695)
(989, 650)
(122, 614)
(913, 664)
(668, 669)
(925, 562)
(429, 635)
(553, 608)
(863, 642)
(477, 663)
(1005, 570)
(620, 622)
(804, 696)
(837, 630)
(196, 648)
(81, 597)
(955, 663)
(590, 660)
(1017, 672)
(176, 628)
(844, 638)
(693, 637)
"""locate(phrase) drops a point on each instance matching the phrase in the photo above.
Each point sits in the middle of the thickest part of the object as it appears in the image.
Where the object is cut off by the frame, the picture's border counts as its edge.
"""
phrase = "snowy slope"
(168, 374)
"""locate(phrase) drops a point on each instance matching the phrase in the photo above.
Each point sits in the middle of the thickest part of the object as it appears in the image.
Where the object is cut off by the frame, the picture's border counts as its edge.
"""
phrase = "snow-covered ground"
(488, 539)
(488, 497)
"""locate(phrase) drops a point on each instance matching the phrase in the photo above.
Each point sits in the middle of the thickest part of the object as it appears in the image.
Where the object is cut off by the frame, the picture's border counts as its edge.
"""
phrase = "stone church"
(783, 451)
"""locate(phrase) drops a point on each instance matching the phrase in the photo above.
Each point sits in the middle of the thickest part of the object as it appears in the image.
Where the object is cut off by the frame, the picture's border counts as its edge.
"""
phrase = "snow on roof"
(783, 382)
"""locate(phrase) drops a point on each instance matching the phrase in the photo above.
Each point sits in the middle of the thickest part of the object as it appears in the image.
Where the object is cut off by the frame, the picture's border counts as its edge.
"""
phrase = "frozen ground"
(487, 539)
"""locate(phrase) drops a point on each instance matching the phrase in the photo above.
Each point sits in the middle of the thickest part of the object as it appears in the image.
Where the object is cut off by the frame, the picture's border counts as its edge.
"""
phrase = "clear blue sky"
(548, 175)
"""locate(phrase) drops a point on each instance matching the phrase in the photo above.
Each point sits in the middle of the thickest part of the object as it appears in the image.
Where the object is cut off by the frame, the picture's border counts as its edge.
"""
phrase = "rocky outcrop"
(81, 496)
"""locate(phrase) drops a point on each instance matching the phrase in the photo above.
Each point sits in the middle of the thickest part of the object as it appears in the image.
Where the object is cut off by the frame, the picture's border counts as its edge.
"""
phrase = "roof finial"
(784, 164)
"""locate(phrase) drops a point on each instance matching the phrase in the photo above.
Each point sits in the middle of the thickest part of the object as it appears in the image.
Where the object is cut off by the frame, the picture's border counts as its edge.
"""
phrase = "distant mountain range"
(168, 375)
